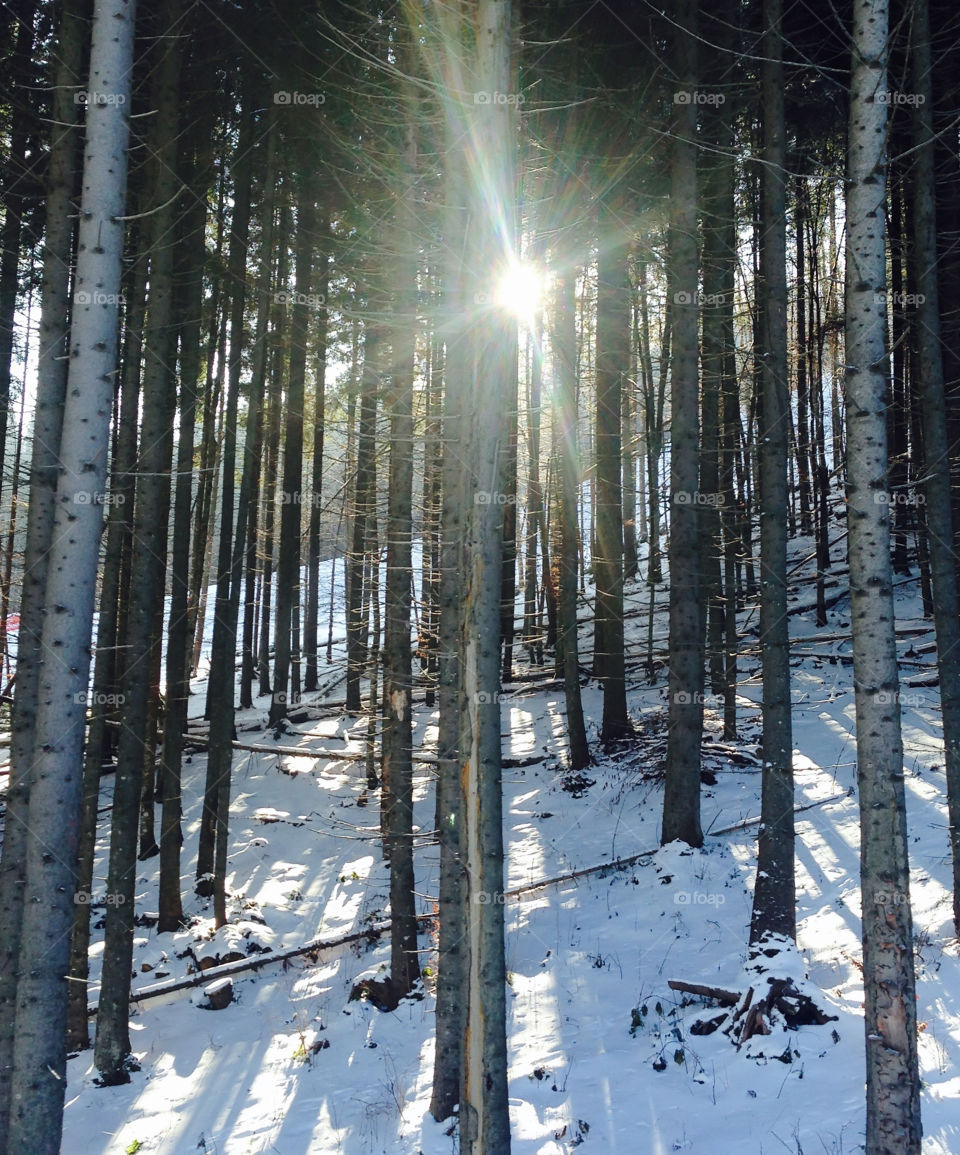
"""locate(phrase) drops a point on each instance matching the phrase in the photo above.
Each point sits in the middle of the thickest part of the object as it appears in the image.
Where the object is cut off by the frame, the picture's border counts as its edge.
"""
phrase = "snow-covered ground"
(601, 1053)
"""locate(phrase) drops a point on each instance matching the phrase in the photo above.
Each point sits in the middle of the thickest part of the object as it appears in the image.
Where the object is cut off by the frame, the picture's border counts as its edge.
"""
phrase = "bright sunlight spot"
(520, 290)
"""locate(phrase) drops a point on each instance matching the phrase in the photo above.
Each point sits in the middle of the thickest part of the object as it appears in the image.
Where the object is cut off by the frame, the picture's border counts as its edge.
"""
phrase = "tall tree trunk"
(310, 630)
(39, 1058)
(397, 741)
(613, 356)
(16, 167)
(453, 317)
(364, 494)
(564, 346)
(946, 606)
(108, 666)
(681, 803)
(190, 294)
(246, 538)
(51, 388)
(221, 685)
(890, 1016)
(484, 1109)
(774, 895)
(112, 1047)
(288, 562)
(271, 469)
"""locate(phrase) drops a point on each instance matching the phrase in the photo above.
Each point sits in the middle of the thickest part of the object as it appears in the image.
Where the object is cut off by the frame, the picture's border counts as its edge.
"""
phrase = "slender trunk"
(310, 631)
(220, 693)
(890, 1014)
(16, 172)
(946, 605)
(364, 495)
(112, 1047)
(484, 1109)
(253, 442)
(774, 896)
(190, 294)
(288, 562)
(451, 953)
(51, 388)
(38, 1079)
(564, 343)
(681, 804)
(613, 334)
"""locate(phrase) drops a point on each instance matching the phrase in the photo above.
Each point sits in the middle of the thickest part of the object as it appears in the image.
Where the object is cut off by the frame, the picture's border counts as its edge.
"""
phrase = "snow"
(601, 1054)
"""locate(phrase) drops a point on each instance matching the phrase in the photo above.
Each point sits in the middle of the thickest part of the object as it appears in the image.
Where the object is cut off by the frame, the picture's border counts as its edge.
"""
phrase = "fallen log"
(155, 990)
(718, 994)
(199, 742)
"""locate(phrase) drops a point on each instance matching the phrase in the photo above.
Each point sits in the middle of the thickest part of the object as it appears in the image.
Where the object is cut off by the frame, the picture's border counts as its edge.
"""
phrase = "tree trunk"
(454, 315)
(681, 803)
(484, 1110)
(39, 1059)
(364, 494)
(774, 896)
(190, 293)
(310, 630)
(51, 388)
(288, 561)
(935, 443)
(564, 345)
(112, 1047)
(220, 692)
(890, 1017)
(613, 357)
(397, 741)
(16, 169)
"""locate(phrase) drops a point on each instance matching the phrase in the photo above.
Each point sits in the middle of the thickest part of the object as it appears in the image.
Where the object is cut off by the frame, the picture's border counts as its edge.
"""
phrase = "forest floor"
(601, 1050)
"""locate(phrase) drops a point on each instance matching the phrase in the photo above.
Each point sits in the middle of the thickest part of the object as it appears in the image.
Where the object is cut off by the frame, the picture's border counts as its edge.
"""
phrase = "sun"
(520, 290)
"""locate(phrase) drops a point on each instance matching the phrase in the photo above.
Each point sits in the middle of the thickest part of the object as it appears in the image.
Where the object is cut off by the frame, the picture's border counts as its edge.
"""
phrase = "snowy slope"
(591, 1017)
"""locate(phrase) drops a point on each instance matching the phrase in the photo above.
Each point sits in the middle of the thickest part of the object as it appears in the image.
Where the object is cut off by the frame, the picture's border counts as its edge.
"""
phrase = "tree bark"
(484, 1110)
(613, 356)
(681, 803)
(890, 1017)
(936, 451)
(397, 741)
(564, 346)
(774, 896)
(48, 422)
(39, 1058)
(148, 568)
